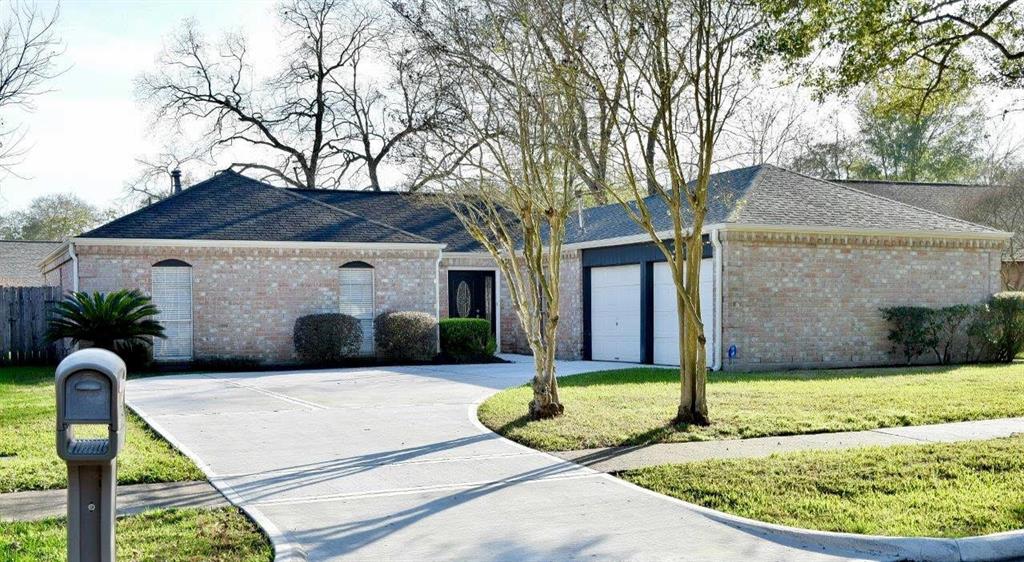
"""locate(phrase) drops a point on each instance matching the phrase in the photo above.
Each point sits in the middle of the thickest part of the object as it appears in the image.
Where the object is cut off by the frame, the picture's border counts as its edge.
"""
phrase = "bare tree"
(514, 189)
(317, 121)
(680, 61)
(153, 180)
(1004, 210)
(29, 49)
(768, 129)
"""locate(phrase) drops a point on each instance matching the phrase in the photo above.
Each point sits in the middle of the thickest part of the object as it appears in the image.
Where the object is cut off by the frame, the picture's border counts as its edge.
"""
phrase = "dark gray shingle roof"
(955, 200)
(772, 196)
(19, 262)
(230, 206)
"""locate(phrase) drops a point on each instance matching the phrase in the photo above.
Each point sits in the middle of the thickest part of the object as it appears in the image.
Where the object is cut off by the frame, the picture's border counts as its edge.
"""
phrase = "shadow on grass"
(641, 375)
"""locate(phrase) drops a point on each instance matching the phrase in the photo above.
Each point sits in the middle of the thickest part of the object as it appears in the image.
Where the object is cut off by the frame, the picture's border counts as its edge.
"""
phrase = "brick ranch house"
(794, 270)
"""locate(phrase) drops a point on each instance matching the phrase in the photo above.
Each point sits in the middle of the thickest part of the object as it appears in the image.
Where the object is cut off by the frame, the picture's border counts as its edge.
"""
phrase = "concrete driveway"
(391, 464)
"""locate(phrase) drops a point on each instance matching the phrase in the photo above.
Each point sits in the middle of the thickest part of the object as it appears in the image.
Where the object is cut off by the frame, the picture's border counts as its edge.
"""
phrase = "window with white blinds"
(172, 294)
(357, 301)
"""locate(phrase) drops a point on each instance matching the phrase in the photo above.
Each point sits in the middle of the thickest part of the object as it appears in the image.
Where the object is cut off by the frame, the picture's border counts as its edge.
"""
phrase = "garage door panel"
(666, 326)
(615, 313)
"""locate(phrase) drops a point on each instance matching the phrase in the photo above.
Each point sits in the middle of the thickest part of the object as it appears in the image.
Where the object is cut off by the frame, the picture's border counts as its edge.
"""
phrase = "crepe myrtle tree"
(514, 189)
(680, 62)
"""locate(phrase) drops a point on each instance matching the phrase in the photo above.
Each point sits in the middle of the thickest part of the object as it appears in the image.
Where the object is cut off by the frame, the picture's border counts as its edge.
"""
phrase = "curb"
(986, 548)
(286, 548)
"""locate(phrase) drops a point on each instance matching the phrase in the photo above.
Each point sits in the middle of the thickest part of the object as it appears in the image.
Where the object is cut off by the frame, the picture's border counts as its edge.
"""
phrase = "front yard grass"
(215, 535)
(28, 457)
(635, 406)
(947, 490)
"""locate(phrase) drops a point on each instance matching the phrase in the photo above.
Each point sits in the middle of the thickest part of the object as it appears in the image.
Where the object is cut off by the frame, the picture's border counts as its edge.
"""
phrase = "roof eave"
(207, 243)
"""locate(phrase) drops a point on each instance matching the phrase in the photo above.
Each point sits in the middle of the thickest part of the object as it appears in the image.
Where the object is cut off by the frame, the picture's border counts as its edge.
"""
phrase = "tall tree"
(865, 38)
(29, 52)
(911, 137)
(52, 217)
(514, 189)
(680, 62)
(320, 119)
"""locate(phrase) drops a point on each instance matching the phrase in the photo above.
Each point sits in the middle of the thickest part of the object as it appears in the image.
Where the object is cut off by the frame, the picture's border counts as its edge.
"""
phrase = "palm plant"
(114, 321)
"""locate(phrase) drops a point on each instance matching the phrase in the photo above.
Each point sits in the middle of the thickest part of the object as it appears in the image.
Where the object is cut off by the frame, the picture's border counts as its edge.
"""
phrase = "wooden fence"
(24, 312)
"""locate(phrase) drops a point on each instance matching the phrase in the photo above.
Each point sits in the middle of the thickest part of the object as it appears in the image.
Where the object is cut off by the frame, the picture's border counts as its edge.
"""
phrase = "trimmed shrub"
(466, 339)
(910, 331)
(1007, 326)
(327, 338)
(946, 327)
(406, 336)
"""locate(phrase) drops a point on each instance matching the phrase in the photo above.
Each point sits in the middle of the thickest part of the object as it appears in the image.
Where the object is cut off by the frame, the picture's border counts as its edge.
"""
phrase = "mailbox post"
(90, 391)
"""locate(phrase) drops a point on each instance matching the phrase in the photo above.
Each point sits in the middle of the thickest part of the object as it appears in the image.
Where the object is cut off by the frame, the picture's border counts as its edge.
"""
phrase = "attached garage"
(666, 325)
(615, 313)
(629, 305)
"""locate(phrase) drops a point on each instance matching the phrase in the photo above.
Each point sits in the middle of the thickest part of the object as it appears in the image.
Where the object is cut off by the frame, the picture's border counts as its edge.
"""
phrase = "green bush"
(406, 336)
(466, 339)
(910, 330)
(114, 321)
(1007, 326)
(327, 338)
(946, 330)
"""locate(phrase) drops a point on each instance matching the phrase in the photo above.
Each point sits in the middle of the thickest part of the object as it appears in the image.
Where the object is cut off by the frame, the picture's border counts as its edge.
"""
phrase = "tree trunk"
(693, 407)
(545, 403)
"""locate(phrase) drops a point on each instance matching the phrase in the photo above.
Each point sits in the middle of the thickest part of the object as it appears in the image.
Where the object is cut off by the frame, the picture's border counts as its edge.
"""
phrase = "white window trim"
(191, 314)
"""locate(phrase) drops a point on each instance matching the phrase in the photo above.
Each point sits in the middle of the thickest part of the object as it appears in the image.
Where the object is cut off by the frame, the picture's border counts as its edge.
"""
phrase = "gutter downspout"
(437, 299)
(716, 243)
(74, 265)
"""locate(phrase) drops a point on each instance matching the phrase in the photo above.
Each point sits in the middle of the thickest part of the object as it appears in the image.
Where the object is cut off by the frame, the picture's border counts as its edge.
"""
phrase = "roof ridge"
(347, 212)
(754, 183)
(901, 203)
(161, 202)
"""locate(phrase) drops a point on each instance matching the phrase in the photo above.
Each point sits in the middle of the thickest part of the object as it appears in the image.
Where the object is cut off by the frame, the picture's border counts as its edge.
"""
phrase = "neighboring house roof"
(967, 202)
(19, 262)
(952, 199)
(771, 196)
(230, 206)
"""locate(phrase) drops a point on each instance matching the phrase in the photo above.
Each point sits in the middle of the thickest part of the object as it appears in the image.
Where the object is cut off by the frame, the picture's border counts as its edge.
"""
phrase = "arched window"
(356, 298)
(172, 294)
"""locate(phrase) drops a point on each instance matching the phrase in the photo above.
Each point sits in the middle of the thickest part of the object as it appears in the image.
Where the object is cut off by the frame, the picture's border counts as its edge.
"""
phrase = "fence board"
(24, 315)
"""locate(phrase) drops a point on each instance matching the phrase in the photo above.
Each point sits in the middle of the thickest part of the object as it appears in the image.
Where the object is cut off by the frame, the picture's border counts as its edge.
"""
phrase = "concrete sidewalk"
(616, 459)
(135, 498)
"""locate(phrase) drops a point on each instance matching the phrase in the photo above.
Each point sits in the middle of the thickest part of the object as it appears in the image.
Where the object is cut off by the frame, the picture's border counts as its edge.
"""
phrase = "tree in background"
(910, 136)
(861, 39)
(836, 157)
(350, 95)
(29, 49)
(52, 217)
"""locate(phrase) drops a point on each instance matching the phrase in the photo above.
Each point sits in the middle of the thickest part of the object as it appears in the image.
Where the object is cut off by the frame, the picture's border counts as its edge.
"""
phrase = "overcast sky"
(84, 136)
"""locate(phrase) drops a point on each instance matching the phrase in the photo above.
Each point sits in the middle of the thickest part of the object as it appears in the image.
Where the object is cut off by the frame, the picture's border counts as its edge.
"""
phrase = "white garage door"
(666, 327)
(615, 313)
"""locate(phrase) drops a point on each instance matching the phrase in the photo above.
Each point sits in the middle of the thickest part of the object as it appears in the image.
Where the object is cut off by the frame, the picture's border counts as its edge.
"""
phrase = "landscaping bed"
(635, 406)
(948, 490)
(28, 456)
(215, 535)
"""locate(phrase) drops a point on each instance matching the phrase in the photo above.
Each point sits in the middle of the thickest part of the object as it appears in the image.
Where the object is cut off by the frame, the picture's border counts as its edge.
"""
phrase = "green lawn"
(949, 490)
(214, 535)
(28, 458)
(635, 406)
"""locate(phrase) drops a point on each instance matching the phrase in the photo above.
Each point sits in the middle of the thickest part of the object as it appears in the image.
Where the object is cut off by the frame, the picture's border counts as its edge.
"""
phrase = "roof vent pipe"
(176, 180)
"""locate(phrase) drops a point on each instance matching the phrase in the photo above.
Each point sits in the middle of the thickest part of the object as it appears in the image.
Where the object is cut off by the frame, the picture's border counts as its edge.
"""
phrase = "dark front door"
(471, 295)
